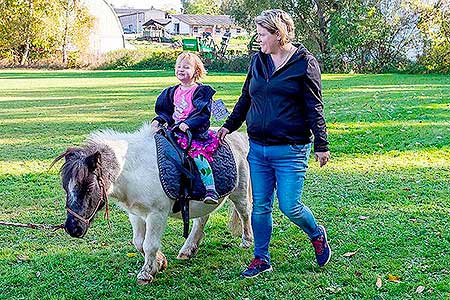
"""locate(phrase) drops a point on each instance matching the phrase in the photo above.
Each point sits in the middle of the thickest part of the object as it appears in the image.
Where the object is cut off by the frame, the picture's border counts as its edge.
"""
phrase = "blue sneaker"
(256, 267)
(321, 247)
(211, 197)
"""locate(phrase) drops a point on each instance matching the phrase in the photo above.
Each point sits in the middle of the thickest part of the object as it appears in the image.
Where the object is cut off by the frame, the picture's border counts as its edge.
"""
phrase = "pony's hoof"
(144, 281)
(161, 260)
(144, 278)
(246, 244)
(183, 256)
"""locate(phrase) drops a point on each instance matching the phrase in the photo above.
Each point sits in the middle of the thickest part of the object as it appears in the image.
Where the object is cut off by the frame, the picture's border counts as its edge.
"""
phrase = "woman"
(281, 103)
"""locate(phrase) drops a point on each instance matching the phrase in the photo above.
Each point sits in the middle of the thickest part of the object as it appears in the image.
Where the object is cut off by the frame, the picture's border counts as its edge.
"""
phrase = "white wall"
(107, 32)
(185, 29)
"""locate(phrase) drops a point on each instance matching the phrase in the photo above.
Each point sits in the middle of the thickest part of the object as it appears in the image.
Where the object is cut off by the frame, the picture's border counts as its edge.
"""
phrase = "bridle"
(103, 200)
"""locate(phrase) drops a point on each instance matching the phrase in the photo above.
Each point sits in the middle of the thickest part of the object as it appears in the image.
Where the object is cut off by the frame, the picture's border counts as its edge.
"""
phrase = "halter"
(103, 199)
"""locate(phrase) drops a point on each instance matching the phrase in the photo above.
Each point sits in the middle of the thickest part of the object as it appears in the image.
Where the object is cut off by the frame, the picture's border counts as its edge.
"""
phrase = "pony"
(124, 166)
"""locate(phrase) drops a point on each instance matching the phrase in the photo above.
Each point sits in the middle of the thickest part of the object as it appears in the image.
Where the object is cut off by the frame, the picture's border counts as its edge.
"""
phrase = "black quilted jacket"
(284, 107)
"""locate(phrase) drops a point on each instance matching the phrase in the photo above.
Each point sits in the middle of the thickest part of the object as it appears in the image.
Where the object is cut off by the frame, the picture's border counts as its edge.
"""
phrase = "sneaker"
(256, 267)
(321, 247)
(211, 197)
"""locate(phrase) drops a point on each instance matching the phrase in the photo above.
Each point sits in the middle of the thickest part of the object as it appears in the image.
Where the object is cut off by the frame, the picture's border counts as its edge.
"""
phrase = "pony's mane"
(100, 136)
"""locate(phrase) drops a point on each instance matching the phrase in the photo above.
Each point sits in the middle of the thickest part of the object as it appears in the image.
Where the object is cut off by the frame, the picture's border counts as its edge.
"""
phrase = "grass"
(390, 137)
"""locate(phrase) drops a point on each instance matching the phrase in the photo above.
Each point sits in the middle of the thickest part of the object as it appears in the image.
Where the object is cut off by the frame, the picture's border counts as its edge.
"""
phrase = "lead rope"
(34, 226)
(104, 196)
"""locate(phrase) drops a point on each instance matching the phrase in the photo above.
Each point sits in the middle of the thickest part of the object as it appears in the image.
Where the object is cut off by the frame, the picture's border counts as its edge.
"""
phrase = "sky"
(159, 4)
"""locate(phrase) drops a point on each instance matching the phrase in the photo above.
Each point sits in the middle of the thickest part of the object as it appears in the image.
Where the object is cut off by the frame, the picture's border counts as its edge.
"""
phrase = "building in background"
(196, 25)
(132, 20)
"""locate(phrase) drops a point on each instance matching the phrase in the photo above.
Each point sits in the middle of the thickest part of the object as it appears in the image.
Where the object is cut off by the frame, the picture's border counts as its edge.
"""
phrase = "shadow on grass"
(26, 74)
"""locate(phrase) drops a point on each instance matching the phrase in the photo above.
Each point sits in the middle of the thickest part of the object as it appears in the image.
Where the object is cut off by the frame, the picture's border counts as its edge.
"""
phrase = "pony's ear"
(70, 152)
(66, 154)
(93, 161)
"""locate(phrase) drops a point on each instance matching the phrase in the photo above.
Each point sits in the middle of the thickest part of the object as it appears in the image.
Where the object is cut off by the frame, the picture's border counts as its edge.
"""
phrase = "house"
(195, 25)
(133, 19)
(155, 29)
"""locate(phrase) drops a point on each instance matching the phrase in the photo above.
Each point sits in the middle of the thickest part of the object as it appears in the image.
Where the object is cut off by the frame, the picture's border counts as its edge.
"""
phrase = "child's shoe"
(211, 197)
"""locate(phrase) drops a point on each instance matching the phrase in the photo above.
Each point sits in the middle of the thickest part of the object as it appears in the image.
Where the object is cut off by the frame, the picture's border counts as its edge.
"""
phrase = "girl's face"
(184, 71)
(268, 41)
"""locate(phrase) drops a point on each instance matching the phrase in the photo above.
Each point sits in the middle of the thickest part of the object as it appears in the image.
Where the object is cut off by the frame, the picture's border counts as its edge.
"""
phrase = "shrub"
(146, 59)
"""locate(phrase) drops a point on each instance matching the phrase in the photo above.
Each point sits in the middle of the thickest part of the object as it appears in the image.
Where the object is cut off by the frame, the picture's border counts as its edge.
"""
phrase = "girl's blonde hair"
(199, 68)
(277, 21)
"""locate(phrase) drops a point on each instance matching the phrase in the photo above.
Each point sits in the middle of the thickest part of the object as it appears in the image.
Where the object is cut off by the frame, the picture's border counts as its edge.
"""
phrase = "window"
(218, 29)
(195, 29)
(238, 30)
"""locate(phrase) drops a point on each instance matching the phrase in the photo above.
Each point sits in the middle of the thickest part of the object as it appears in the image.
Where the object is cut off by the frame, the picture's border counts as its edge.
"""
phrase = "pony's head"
(84, 185)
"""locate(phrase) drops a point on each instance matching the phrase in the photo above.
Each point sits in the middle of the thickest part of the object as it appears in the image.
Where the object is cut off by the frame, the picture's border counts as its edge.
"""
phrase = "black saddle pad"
(223, 167)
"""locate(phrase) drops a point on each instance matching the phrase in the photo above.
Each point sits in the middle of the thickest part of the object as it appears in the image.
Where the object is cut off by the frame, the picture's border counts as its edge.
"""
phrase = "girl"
(188, 105)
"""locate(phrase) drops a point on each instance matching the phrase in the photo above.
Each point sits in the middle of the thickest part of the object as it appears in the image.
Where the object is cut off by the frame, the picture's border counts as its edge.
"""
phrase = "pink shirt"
(182, 101)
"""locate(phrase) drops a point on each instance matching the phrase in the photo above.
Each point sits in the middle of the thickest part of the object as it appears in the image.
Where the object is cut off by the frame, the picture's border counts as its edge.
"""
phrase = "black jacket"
(284, 107)
(198, 119)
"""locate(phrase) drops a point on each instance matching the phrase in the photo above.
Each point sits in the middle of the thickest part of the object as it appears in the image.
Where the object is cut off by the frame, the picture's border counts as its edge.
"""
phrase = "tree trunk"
(26, 51)
(66, 35)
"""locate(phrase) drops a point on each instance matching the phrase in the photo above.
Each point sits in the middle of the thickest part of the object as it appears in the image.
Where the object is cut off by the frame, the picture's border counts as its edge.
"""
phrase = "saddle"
(179, 176)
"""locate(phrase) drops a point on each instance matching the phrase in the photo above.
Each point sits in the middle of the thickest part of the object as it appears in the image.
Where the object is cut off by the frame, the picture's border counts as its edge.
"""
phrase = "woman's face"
(184, 70)
(268, 41)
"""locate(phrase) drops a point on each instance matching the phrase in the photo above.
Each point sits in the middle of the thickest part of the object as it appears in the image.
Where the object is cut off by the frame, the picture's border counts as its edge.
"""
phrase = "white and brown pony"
(124, 166)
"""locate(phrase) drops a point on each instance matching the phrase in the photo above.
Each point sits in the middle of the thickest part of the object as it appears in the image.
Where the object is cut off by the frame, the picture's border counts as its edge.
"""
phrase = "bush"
(146, 59)
(139, 59)
(232, 64)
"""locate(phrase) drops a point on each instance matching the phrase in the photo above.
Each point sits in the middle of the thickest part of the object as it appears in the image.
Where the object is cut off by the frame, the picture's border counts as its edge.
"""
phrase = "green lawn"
(390, 143)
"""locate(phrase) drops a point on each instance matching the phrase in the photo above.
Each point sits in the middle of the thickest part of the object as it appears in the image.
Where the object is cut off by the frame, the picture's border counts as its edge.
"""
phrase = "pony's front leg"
(190, 246)
(155, 223)
(138, 225)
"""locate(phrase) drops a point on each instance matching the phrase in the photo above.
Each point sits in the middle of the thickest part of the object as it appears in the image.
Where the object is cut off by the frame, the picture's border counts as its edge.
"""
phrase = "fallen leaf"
(22, 257)
(349, 254)
(131, 254)
(413, 220)
(379, 283)
(406, 189)
(333, 290)
(363, 217)
(393, 278)
(358, 274)
(420, 289)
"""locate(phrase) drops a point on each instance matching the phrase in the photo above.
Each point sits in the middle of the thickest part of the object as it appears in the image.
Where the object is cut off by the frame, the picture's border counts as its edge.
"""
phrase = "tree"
(25, 29)
(359, 35)
(201, 7)
(434, 26)
(35, 29)
(74, 24)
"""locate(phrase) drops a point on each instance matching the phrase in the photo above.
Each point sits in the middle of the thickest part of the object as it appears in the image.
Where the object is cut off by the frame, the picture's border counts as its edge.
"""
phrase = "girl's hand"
(183, 127)
(221, 134)
(155, 125)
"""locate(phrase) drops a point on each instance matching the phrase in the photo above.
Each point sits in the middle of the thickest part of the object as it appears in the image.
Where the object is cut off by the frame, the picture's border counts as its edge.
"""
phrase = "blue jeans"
(282, 167)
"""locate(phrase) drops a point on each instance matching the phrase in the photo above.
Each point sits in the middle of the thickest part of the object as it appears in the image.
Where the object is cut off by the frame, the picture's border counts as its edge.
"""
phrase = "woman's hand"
(183, 127)
(322, 157)
(221, 134)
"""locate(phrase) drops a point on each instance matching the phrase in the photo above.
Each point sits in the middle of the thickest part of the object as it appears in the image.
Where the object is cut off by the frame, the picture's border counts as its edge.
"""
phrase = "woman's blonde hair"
(199, 68)
(277, 21)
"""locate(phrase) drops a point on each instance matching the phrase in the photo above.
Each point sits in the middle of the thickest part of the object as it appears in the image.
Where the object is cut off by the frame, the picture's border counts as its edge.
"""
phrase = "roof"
(205, 19)
(131, 11)
(162, 22)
